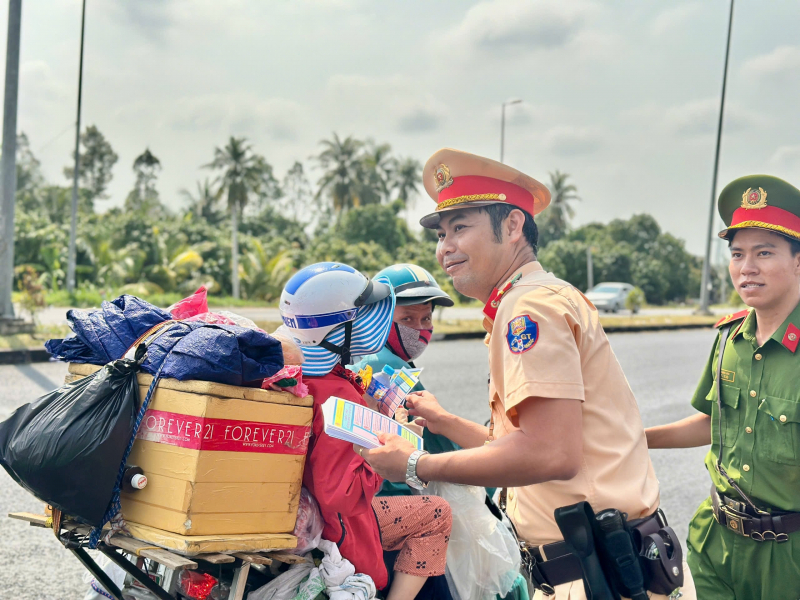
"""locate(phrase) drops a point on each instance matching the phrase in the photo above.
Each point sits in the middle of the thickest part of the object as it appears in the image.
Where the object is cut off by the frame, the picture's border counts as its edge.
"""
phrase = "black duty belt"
(760, 526)
(554, 564)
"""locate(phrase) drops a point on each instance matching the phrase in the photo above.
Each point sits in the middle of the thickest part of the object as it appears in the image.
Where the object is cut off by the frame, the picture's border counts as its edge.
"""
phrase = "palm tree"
(144, 195)
(342, 180)
(406, 179)
(556, 219)
(203, 204)
(242, 176)
(378, 172)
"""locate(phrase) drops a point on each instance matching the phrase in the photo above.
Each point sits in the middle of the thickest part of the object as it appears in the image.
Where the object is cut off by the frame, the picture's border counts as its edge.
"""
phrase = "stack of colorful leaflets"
(357, 424)
(402, 382)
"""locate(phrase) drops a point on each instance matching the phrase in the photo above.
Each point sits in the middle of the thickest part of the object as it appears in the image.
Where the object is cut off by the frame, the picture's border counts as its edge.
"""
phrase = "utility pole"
(503, 124)
(9, 162)
(73, 226)
(589, 269)
(706, 282)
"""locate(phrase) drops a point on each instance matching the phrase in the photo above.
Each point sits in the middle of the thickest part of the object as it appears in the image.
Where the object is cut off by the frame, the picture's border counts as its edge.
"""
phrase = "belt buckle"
(529, 562)
(733, 521)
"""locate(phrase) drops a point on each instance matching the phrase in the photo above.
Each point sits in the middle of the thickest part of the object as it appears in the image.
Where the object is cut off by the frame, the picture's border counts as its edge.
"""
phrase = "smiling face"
(470, 254)
(416, 316)
(763, 269)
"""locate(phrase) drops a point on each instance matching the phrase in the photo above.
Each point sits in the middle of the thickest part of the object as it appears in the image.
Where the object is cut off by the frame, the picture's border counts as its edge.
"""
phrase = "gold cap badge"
(754, 198)
(442, 177)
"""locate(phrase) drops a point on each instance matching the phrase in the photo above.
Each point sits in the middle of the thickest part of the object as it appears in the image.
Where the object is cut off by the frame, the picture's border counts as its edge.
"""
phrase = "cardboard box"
(220, 460)
(192, 545)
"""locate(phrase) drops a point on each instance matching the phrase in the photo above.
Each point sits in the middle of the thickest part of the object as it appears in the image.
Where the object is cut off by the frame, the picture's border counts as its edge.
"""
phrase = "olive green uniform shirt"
(760, 413)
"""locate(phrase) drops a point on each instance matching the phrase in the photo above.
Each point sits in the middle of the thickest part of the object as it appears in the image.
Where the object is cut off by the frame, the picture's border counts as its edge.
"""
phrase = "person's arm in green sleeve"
(692, 431)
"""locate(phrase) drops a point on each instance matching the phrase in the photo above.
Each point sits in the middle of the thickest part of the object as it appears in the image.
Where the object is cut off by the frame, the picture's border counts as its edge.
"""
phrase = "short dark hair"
(794, 243)
(498, 214)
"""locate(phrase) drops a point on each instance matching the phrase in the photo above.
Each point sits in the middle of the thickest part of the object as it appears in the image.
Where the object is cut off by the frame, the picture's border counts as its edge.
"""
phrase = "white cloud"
(239, 114)
(153, 18)
(566, 140)
(395, 99)
(786, 157)
(518, 25)
(42, 91)
(782, 61)
(699, 117)
(671, 20)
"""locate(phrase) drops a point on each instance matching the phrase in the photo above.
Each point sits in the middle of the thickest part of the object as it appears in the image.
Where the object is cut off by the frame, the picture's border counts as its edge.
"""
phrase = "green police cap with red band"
(762, 202)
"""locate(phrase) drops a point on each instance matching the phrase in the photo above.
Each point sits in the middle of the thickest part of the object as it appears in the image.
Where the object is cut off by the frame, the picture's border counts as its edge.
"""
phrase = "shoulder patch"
(732, 317)
(522, 334)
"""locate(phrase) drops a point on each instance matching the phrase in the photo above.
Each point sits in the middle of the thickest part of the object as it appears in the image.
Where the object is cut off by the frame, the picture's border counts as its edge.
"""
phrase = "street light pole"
(9, 161)
(706, 282)
(73, 226)
(503, 124)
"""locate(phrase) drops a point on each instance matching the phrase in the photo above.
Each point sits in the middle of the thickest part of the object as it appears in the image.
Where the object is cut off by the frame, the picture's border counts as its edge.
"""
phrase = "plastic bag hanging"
(65, 448)
(483, 560)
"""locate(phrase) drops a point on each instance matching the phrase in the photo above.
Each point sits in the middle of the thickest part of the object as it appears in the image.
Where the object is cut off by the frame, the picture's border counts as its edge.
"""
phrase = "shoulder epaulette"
(732, 317)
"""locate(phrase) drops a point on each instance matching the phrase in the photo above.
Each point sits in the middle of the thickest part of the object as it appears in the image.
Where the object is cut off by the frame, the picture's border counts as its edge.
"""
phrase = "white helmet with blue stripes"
(333, 312)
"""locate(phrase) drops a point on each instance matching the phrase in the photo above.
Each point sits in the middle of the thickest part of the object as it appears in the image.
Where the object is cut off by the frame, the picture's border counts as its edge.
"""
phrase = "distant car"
(610, 295)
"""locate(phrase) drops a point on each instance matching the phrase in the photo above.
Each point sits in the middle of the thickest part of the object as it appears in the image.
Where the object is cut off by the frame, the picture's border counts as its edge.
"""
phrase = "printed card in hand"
(401, 383)
(357, 424)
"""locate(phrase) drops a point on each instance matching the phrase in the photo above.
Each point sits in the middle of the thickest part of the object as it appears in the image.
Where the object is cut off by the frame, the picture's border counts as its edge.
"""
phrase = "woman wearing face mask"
(417, 295)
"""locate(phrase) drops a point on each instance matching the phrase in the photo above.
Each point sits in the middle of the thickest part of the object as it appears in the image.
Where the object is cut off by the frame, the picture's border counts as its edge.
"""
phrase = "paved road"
(662, 368)
(54, 315)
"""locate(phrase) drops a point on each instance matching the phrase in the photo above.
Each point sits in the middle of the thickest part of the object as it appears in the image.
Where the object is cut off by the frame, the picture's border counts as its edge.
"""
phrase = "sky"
(623, 95)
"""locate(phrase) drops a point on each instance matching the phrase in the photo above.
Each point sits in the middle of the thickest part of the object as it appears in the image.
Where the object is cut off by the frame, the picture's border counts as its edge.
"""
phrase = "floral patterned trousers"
(418, 526)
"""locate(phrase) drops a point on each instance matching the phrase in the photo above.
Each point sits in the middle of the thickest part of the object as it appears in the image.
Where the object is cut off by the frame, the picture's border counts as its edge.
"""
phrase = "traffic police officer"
(743, 540)
(565, 425)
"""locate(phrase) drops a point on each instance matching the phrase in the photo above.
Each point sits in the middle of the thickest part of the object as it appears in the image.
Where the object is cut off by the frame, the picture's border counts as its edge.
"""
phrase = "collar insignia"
(442, 178)
(490, 310)
(733, 317)
(754, 198)
(791, 338)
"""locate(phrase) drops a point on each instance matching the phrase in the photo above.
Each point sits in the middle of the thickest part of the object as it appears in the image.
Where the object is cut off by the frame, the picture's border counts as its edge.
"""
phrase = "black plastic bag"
(67, 446)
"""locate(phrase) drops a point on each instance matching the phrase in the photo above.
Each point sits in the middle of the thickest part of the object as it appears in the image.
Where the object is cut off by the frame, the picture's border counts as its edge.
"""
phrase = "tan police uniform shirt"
(546, 341)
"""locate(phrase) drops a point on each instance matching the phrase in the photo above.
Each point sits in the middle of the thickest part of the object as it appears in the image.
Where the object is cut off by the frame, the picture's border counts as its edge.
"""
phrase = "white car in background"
(609, 296)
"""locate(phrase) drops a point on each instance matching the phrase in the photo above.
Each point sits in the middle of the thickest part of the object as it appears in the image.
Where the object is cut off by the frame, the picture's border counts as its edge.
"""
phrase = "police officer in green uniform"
(744, 540)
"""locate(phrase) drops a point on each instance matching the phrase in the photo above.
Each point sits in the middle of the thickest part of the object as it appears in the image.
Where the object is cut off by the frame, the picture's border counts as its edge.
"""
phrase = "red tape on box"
(224, 435)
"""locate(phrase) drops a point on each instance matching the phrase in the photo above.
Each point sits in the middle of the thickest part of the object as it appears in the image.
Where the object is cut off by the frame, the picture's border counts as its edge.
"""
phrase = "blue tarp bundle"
(221, 353)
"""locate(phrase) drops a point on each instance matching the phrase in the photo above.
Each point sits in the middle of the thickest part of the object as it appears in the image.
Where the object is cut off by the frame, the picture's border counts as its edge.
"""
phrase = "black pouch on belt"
(660, 553)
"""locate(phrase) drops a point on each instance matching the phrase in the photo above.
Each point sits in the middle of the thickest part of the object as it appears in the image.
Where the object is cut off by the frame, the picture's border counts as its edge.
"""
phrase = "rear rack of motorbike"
(130, 555)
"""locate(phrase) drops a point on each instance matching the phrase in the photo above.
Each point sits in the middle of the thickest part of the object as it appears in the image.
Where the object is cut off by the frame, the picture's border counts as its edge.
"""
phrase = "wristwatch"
(412, 479)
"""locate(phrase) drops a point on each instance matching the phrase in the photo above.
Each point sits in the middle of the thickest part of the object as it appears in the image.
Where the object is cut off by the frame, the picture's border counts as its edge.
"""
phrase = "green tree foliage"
(243, 175)
(634, 251)
(358, 173)
(204, 204)
(298, 198)
(554, 222)
(375, 223)
(343, 172)
(144, 195)
(29, 175)
(97, 159)
(271, 229)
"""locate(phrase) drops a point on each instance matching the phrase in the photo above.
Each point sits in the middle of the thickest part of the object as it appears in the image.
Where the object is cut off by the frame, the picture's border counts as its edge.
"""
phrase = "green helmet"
(414, 285)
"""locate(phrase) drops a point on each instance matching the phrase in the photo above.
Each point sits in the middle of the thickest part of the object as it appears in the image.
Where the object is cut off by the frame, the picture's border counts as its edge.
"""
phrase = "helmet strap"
(344, 349)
